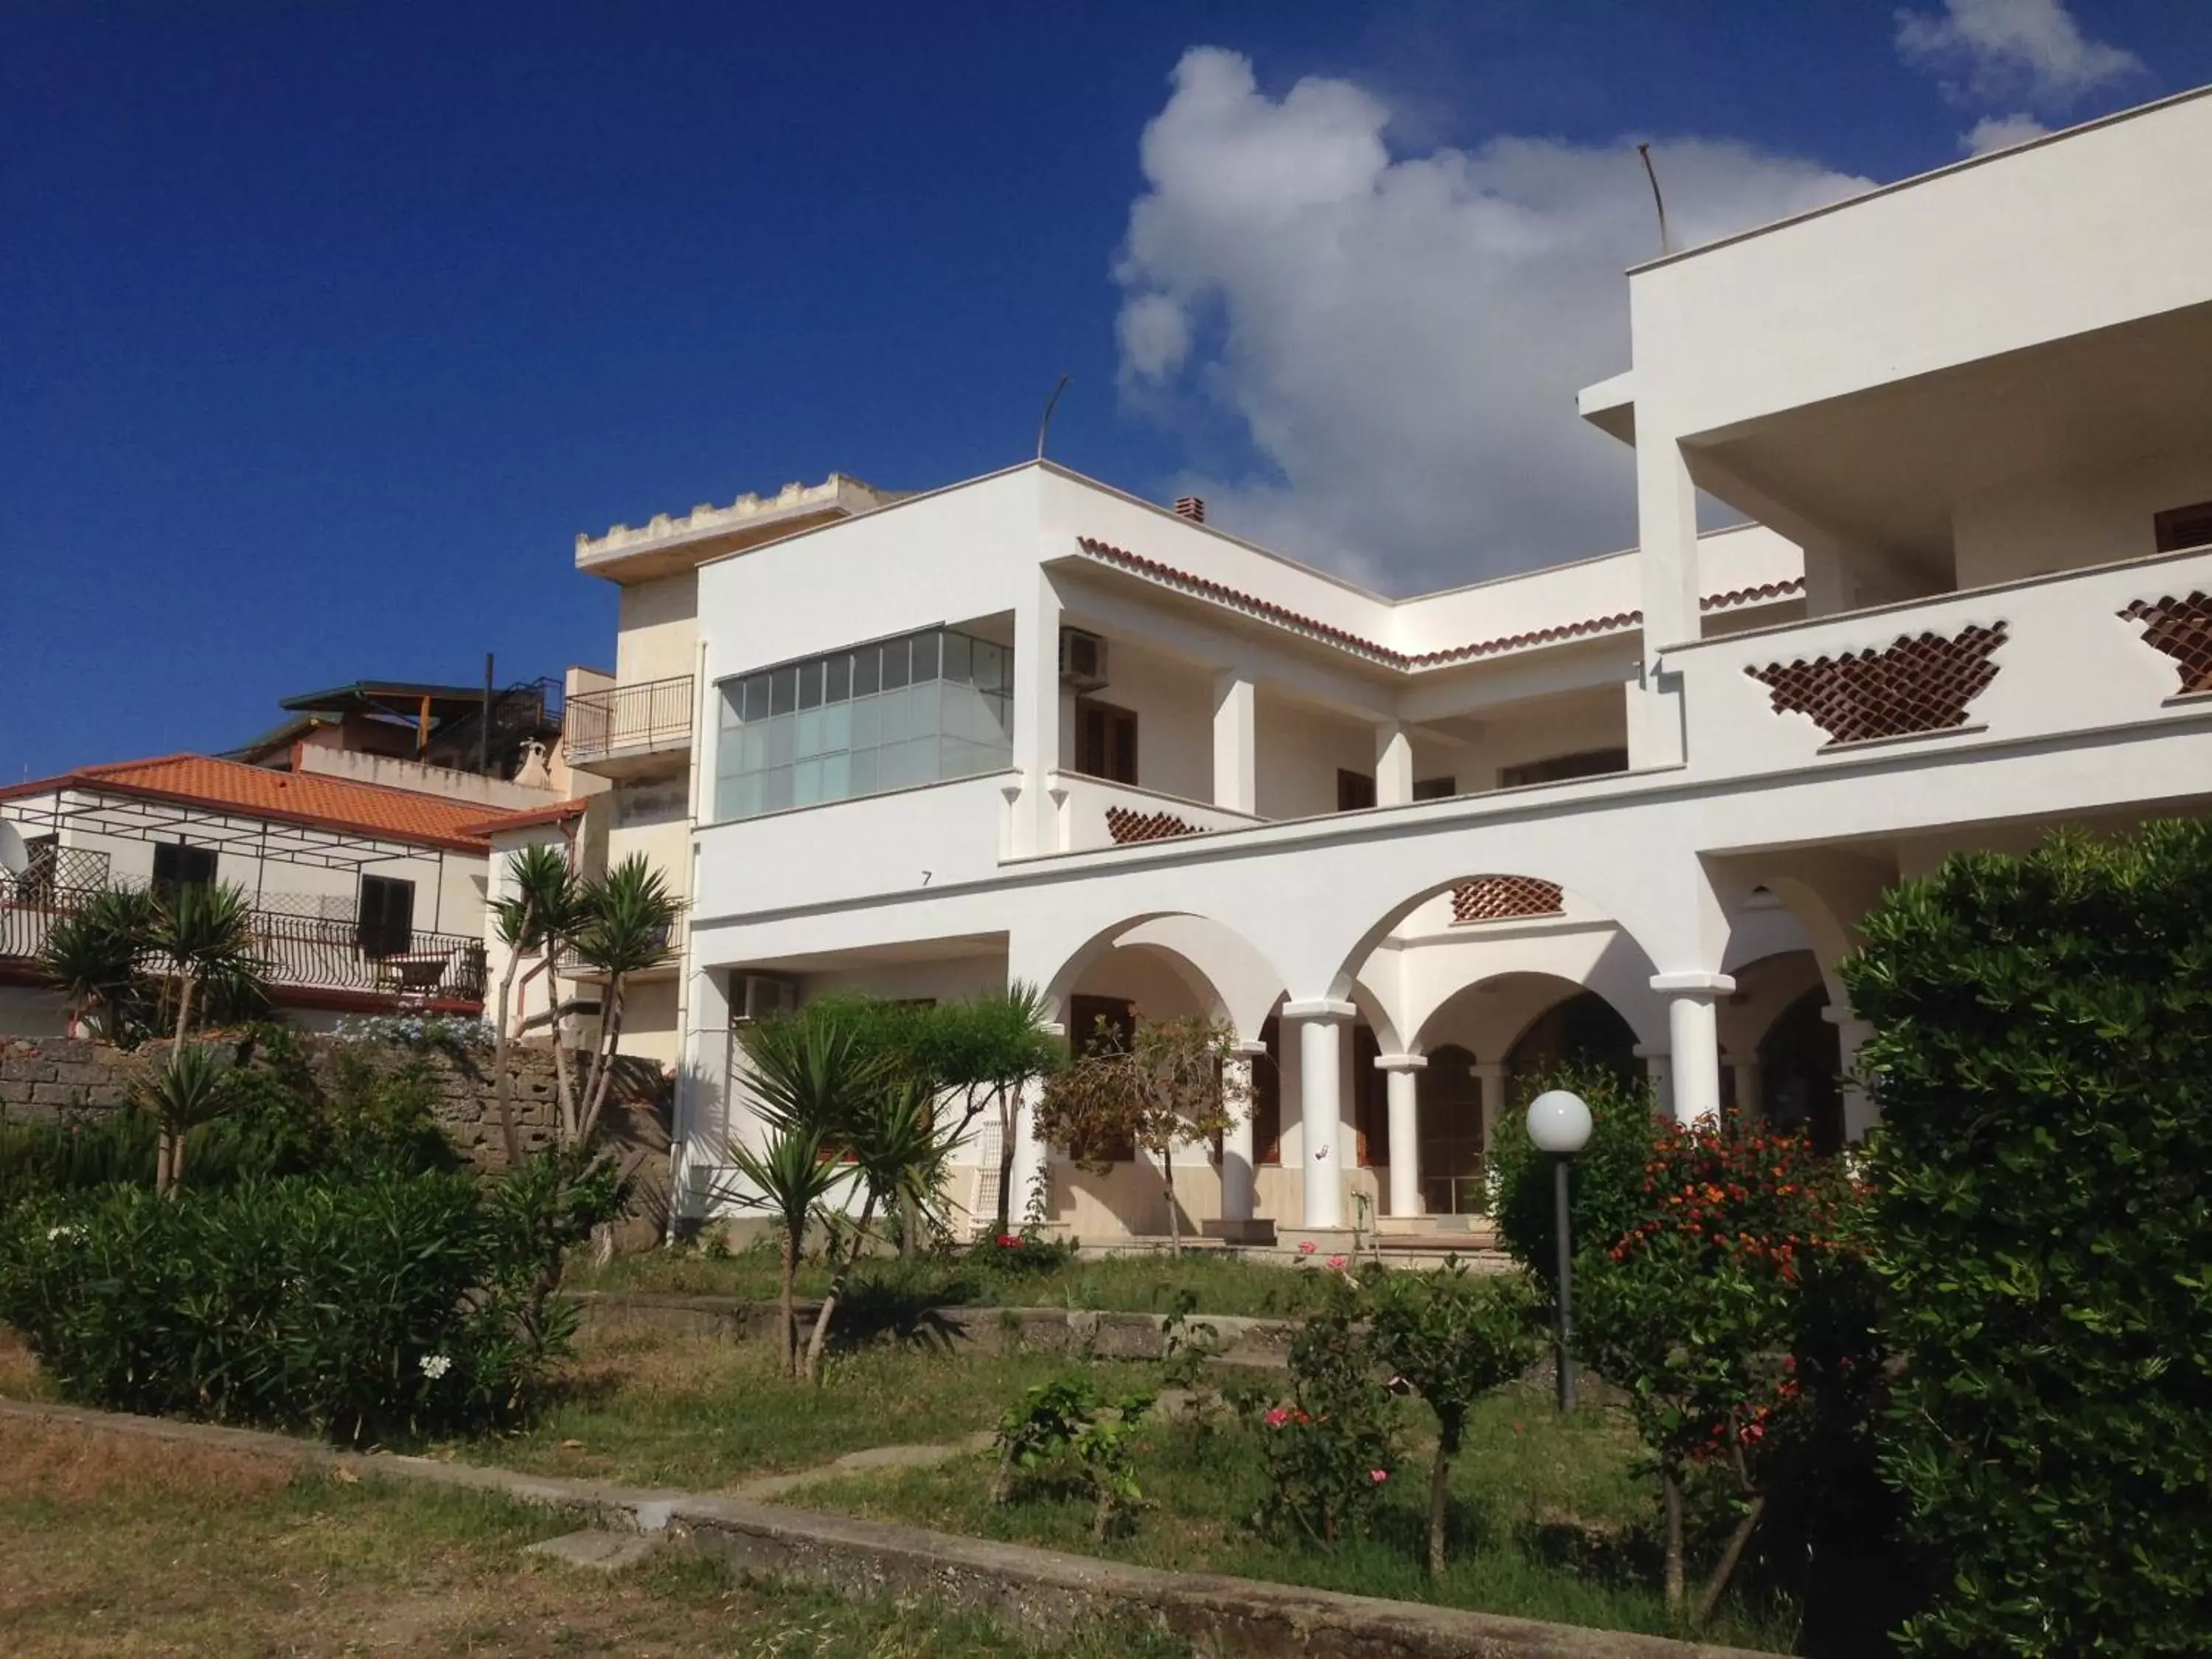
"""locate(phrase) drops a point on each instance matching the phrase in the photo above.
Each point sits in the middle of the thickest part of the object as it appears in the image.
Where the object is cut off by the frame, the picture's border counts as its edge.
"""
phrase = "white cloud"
(2000, 132)
(1401, 340)
(1987, 50)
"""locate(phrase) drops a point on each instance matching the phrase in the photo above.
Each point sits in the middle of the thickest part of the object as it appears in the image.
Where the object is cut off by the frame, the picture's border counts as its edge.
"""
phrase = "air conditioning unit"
(761, 995)
(1082, 660)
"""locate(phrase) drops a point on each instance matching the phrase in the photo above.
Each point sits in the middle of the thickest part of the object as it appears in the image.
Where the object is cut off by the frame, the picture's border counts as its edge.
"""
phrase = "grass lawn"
(1144, 1283)
(652, 1408)
(1548, 1521)
(117, 1547)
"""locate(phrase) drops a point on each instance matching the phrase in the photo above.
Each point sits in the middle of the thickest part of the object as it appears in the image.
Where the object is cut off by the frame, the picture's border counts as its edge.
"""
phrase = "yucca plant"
(202, 938)
(530, 920)
(623, 925)
(195, 1087)
(97, 958)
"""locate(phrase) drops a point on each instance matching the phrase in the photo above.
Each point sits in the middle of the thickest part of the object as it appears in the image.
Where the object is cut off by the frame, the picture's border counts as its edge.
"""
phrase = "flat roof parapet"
(838, 493)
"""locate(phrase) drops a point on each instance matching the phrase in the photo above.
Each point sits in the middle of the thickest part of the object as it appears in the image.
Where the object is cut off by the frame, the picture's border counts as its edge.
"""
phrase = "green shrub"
(382, 1304)
(1067, 1429)
(2041, 1221)
(1605, 1194)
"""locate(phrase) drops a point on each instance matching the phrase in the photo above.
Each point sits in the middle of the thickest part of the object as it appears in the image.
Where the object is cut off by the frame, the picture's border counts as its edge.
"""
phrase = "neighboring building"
(366, 898)
(628, 734)
(1029, 727)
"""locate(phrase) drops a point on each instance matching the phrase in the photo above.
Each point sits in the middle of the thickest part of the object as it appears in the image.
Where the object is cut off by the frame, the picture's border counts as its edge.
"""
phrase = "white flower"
(435, 1365)
(72, 1234)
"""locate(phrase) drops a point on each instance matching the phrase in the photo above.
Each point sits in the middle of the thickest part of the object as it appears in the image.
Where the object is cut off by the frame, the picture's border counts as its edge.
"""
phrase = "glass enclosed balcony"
(896, 713)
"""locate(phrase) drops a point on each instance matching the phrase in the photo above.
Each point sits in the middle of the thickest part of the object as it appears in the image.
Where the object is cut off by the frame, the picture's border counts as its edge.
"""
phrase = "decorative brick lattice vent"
(1920, 684)
(2182, 628)
(1506, 899)
(1127, 827)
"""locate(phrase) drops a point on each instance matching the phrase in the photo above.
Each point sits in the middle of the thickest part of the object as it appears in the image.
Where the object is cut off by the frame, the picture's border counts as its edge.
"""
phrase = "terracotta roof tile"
(528, 817)
(306, 797)
(1267, 610)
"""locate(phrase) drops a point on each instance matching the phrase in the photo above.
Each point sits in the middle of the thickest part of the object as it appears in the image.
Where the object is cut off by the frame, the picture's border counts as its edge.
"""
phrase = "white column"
(1402, 1079)
(1394, 765)
(1693, 1041)
(1657, 1067)
(1236, 746)
(1666, 557)
(1037, 714)
(1320, 1025)
(703, 1093)
(1237, 1150)
(1491, 1073)
(1859, 1113)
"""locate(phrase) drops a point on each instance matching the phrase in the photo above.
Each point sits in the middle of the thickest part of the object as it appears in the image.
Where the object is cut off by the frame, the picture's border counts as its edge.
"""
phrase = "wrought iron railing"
(298, 952)
(650, 714)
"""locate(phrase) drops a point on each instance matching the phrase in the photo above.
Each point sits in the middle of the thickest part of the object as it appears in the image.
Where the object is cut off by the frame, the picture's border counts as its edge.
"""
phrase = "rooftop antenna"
(1050, 404)
(1658, 200)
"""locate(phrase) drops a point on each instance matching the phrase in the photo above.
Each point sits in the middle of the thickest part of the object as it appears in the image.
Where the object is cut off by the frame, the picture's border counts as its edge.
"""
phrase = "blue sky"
(323, 329)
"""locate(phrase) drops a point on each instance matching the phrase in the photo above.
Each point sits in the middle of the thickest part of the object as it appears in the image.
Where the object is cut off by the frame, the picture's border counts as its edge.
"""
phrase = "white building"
(1029, 727)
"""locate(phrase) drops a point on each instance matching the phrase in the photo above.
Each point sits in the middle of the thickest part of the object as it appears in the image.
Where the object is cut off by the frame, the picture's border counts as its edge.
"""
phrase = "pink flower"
(1335, 1263)
(1306, 1248)
(1277, 1417)
(1009, 1241)
(1378, 1476)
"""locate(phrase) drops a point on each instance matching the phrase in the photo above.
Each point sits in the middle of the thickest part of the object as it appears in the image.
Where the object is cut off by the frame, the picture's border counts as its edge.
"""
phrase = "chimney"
(1191, 507)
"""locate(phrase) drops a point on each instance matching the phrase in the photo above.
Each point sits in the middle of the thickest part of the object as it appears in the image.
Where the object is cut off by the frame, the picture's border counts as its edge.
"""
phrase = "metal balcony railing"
(652, 714)
(298, 952)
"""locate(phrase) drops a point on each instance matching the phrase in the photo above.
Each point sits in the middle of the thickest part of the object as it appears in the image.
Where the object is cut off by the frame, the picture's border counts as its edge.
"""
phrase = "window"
(1105, 741)
(922, 709)
(1088, 1035)
(1355, 791)
(1558, 768)
(388, 916)
(177, 866)
(2181, 528)
(1435, 789)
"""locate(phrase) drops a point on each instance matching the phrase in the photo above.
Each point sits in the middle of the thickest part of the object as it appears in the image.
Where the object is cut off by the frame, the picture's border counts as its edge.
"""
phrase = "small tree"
(983, 1054)
(194, 1088)
(808, 1075)
(1605, 1197)
(527, 919)
(1700, 1312)
(1453, 1338)
(1169, 1087)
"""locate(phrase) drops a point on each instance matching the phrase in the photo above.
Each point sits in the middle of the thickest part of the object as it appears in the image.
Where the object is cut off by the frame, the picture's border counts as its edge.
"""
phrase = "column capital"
(1250, 1051)
(1051, 1028)
(1401, 1062)
(1325, 1009)
(1693, 985)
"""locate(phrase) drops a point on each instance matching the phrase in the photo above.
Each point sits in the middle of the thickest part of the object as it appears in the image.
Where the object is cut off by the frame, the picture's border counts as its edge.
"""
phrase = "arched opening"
(1454, 1141)
(1583, 1030)
(1800, 1067)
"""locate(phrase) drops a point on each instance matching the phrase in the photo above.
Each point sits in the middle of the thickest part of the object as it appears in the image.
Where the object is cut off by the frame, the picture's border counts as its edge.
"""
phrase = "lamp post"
(1559, 1123)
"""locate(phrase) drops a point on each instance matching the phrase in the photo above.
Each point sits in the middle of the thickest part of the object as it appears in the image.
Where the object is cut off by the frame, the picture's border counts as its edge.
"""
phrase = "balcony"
(631, 731)
(1096, 813)
(301, 952)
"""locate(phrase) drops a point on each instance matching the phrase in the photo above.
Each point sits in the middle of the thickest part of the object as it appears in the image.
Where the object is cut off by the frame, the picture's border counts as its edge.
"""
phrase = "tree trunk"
(169, 1147)
(1670, 1498)
(1167, 1177)
(819, 1340)
(790, 1296)
(603, 1062)
(1439, 1493)
(502, 1107)
(1002, 1477)
(1103, 1516)
(1010, 1117)
(563, 1088)
(1738, 1541)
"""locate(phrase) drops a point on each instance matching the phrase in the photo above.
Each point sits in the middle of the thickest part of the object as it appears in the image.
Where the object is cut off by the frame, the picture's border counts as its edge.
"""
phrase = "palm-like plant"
(803, 1074)
(97, 958)
(194, 1087)
(202, 937)
(527, 920)
(622, 927)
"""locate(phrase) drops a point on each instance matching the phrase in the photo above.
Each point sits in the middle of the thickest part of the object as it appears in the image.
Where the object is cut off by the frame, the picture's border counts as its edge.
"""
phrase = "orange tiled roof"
(291, 797)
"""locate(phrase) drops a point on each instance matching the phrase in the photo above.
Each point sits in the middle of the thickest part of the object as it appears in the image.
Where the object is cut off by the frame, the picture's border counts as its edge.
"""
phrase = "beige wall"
(659, 624)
